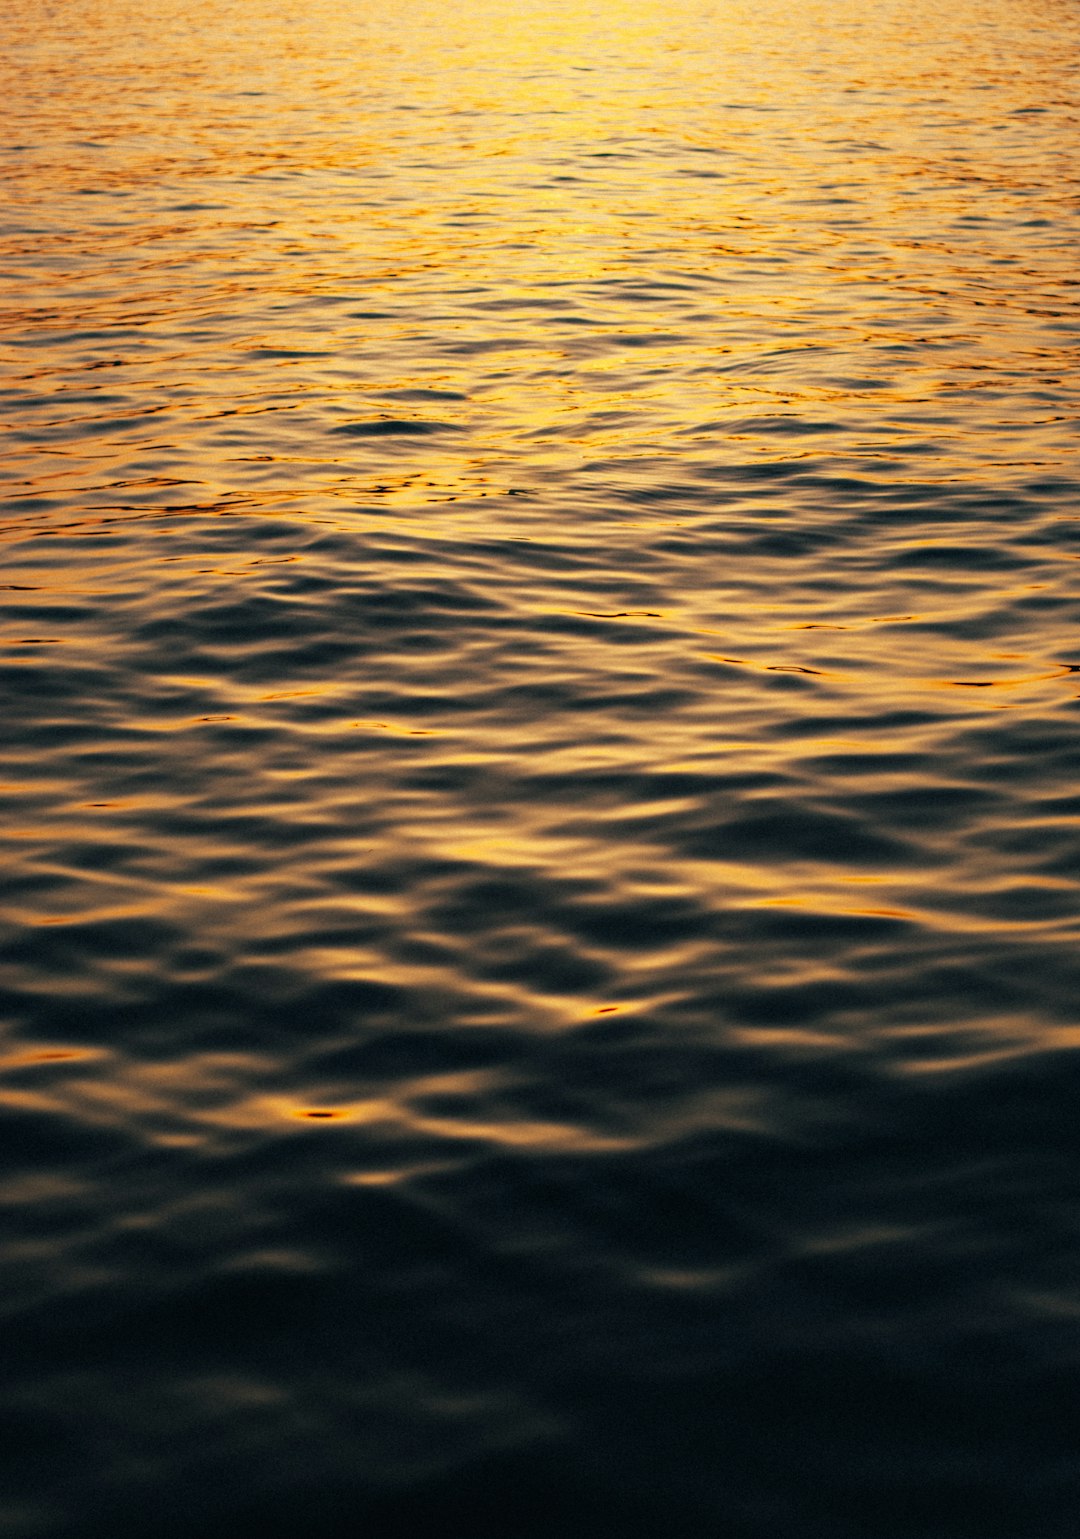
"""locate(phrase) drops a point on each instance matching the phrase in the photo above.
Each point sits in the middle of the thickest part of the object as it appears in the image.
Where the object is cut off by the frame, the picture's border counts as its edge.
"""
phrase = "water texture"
(541, 659)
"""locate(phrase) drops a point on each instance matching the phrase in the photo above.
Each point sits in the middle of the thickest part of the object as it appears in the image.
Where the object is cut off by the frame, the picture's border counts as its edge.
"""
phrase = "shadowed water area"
(541, 654)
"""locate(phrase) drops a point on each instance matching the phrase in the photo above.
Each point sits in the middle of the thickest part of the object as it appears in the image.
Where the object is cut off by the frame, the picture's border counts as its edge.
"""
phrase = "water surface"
(540, 654)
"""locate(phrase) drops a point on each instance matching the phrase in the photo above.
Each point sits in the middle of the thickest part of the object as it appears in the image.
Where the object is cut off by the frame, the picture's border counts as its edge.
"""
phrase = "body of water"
(541, 655)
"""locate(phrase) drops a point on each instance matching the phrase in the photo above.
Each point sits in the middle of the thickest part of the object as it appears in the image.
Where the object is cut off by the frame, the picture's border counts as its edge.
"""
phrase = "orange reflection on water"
(399, 401)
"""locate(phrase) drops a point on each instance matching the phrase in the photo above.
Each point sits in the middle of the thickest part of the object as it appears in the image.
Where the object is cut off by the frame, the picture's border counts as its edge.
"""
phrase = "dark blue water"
(540, 667)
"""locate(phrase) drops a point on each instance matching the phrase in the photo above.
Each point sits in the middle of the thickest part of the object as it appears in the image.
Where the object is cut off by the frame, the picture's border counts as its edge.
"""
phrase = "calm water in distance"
(541, 656)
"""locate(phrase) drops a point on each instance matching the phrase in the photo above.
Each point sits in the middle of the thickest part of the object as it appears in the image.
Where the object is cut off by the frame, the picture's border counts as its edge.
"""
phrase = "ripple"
(397, 427)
